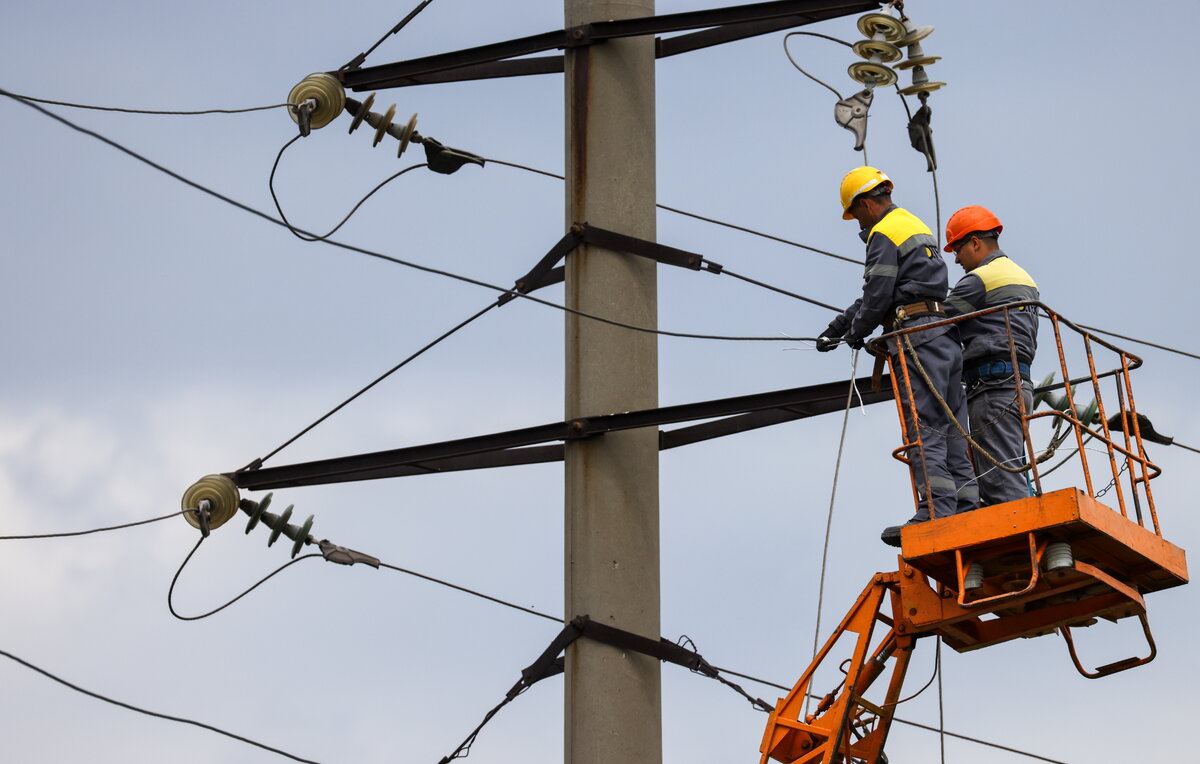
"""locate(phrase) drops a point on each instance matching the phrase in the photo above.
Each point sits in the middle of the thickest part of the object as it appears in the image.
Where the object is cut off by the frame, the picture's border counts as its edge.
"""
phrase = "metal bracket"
(851, 113)
(921, 136)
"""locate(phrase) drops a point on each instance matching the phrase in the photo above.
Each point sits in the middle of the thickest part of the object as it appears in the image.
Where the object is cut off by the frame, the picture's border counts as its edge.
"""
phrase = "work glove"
(825, 344)
(856, 344)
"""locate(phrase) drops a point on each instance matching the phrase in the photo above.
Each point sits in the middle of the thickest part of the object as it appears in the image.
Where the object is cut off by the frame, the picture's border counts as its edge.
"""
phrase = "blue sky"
(154, 335)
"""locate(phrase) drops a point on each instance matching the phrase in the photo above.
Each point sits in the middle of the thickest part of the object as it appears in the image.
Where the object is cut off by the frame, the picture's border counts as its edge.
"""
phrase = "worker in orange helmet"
(994, 384)
(904, 284)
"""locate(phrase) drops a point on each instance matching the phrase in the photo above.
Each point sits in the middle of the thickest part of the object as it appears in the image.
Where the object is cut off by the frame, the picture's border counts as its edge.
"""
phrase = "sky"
(153, 335)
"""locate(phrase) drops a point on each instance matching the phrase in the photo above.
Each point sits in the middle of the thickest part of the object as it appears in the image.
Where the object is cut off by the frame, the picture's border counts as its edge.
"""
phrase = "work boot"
(891, 534)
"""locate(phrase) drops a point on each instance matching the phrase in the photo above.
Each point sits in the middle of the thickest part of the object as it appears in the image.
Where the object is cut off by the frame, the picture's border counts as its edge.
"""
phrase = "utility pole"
(613, 704)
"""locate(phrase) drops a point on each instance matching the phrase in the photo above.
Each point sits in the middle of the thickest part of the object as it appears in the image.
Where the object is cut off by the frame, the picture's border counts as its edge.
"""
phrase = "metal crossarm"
(718, 25)
(523, 446)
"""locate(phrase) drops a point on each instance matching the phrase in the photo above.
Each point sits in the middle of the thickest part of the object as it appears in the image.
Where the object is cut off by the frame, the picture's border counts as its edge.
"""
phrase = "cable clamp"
(711, 267)
(343, 556)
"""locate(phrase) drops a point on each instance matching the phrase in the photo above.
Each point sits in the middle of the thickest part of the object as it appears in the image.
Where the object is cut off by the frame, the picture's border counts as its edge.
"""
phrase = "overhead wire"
(837, 468)
(357, 61)
(390, 258)
(147, 712)
(92, 530)
(472, 592)
(374, 382)
(143, 111)
(214, 611)
(694, 215)
(246, 208)
(799, 68)
(303, 236)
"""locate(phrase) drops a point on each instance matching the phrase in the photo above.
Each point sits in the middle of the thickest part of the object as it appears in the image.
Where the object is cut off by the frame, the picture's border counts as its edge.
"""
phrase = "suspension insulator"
(914, 34)
(872, 74)
(221, 494)
(360, 111)
(384, 124)
(302, 536)
(405, 133)
(255, 509)
(879, 51)
(280, 525)
(326, 91)
(882, 26)
(922, 61)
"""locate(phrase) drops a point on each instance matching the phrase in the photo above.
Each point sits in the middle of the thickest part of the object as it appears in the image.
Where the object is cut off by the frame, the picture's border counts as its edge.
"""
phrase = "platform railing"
(1112, 424)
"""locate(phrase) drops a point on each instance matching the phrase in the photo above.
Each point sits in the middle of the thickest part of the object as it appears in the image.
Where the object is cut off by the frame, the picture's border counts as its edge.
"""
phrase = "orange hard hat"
(969, 220)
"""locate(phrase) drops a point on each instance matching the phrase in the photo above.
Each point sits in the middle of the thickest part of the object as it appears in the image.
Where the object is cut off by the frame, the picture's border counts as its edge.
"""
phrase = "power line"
(358, 60)
(376, 381)
(147, 712)
(390, 258)
(472, 592)
(1140, 342)
(677, 211)
(214, 611)
(530, 611)
(28, 101)
(93, 530)
(302, 235)
(144, 111)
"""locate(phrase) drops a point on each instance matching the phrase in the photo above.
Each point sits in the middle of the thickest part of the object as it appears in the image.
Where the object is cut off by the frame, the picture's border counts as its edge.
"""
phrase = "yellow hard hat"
(857, 182)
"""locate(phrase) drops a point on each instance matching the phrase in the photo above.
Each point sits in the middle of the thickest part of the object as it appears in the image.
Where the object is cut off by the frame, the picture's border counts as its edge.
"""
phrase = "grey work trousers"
(943, 456)
(996, 427)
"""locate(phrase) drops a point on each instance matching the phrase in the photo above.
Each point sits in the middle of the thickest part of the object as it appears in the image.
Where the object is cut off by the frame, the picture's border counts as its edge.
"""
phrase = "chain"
(1113, 482)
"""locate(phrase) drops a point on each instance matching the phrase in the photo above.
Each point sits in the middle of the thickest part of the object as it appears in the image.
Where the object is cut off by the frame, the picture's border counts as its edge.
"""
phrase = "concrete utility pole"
(613, 699)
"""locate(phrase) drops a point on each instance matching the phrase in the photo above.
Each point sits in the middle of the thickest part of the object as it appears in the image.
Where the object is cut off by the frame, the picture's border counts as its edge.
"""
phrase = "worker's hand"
(825, 344)
(856, 344)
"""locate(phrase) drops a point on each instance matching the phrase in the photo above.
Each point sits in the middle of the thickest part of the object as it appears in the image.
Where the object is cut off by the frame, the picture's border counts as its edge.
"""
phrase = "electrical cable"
(837, 468)
(390, 258)
(147, 712)
(358, 60)
(1189, 448)
(144, 111)
(302, 235)
(901, 721)
(472, 592)
(93, 530)
(764, 285)
(799, 68)
(464, 748)
(376, 381)
(685, 213)
(1140, 342)
(263, 580)
(941, 706)
(781, 240)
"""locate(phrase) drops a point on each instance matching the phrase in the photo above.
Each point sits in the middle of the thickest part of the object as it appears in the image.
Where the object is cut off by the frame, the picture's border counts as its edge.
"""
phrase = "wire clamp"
(343, 556)
(851, 113)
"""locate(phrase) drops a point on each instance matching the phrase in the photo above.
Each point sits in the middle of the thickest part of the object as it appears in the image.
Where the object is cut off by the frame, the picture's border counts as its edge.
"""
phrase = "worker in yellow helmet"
(993, 383)
(904, 284)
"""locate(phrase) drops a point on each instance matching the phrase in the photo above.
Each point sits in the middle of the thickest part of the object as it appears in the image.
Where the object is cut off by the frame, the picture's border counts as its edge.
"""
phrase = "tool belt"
(919, 309)
(895, 320)
(994, 369)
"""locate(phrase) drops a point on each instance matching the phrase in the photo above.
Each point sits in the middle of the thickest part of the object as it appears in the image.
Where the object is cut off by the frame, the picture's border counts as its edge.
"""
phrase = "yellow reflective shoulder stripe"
(900, 225)
(1003, 272)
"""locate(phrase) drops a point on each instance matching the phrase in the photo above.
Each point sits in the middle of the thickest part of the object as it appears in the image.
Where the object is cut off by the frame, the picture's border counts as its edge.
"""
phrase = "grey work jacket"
(996, 281)
(903, 266)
